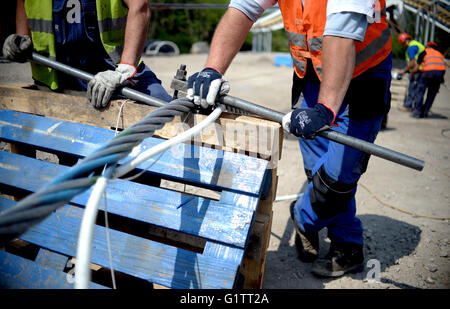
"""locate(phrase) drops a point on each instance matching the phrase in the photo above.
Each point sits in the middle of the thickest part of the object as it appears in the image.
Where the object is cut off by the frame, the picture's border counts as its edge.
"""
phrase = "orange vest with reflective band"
(433, 60)
(305, 26)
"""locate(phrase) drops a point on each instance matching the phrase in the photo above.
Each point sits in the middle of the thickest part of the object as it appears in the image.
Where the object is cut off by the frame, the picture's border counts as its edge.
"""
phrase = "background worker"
(342, 66)
(431, 63)
(102, 37)
(413, 49)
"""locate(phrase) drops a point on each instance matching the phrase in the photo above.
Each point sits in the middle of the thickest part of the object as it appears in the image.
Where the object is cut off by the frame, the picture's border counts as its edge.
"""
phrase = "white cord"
(288, 197)
(186, 135)
(82, 269)
(108, 241)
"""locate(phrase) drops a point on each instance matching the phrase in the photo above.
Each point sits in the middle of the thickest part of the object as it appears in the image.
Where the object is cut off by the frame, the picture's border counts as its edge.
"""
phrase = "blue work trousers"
(360, 116)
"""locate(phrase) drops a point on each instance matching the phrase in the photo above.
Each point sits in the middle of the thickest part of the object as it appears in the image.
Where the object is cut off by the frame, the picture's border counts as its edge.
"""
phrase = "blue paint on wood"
(228, 222)
(19, 273)
(51, 259)
(141, 258)
(241, 179)
(215, 169)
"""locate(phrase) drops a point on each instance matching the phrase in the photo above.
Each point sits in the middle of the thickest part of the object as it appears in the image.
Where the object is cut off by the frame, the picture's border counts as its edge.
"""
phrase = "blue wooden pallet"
(223, 225)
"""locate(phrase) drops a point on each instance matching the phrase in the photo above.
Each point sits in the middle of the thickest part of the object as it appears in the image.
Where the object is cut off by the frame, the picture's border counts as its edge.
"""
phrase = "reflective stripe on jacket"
(112, 18)
(305, 26)
(433, 60)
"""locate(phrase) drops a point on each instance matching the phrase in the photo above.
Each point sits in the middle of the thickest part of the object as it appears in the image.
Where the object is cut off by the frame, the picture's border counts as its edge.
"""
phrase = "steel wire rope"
(80, 177)
(82, 271)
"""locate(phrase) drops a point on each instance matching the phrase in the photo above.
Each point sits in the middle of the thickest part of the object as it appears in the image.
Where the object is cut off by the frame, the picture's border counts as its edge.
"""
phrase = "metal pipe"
(417, 26)
(252, 108)
(433, 25)
(427, 29)
(422, 18)
(415, 11)
(331, 135)
(127, 92)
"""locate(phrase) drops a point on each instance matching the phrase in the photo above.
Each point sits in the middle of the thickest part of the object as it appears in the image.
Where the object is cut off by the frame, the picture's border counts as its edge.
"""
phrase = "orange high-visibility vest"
(433, 60)
(305, 26)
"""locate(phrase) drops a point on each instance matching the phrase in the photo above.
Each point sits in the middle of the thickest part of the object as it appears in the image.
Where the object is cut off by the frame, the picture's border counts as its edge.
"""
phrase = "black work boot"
(341, 259)
(307, 243)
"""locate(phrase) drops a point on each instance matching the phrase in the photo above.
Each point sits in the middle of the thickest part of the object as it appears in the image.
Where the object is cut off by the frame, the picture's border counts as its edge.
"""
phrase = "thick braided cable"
(80, 177)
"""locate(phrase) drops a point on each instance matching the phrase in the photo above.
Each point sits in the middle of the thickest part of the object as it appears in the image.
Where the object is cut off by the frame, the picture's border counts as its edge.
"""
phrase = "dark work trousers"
(429, 81)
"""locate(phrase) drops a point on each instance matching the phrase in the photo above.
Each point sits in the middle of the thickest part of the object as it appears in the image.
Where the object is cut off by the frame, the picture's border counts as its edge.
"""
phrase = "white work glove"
(17, 48)
(397, 75)
(102, 86)
(204, 86)
(286, 122)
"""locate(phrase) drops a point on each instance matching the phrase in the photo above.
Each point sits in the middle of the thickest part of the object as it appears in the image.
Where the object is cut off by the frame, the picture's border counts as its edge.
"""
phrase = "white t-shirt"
(345, 18)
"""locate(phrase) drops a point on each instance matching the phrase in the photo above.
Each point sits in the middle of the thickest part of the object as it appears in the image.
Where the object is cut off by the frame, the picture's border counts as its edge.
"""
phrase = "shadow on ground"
(386, 240)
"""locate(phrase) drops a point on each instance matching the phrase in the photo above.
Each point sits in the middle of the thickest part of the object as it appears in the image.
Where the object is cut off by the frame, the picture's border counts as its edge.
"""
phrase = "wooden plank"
(19, 273)
(246, 133)
(254, 263)
(69, 107)
(209, 219)
(141, 258)
(256, 247)
(51, 260)
(75, 108)
(215, 169)
(255, 137)
(266, 201)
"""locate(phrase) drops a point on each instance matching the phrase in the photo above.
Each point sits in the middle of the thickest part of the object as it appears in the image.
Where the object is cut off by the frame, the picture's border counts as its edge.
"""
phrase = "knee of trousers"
(329, 197)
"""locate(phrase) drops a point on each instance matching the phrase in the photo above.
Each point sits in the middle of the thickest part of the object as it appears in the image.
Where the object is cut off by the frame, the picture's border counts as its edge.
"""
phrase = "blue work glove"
(17, 48)
(307, 122)
(102, 86)
(204, 86)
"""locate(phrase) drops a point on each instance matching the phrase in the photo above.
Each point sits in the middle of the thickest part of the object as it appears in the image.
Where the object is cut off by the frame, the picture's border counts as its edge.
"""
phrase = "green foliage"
(398, 52)
(279, 41)
(185, 26)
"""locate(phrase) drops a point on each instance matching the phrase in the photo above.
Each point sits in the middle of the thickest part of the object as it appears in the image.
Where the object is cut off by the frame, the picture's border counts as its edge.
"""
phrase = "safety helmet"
(429, 44)
(403, 37)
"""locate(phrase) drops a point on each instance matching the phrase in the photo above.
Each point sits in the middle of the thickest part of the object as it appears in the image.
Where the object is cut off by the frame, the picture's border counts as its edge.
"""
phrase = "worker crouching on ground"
(105, 38)
(413, 49)
(342, 65)
(431, 68)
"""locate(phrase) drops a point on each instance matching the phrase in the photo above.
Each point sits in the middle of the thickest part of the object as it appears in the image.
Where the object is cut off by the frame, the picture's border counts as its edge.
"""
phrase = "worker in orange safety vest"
(431, 67)
(341, 51)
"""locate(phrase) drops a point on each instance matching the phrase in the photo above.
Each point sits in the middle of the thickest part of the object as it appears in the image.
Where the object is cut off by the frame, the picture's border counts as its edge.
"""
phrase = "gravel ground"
(411, 251)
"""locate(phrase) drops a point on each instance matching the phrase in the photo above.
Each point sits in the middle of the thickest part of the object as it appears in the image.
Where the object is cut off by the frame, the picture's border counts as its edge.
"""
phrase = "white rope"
(82, 269)
(108, 241)
(186, 135)
(288, 197)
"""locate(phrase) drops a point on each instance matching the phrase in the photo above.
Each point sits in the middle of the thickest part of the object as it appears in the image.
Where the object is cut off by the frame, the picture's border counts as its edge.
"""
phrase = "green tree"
(185, 26)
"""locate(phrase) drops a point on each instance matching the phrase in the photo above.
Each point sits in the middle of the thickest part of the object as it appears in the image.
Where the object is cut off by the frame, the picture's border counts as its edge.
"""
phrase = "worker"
(105, 38)
(342, 61)
(412, 51)
(431, 63)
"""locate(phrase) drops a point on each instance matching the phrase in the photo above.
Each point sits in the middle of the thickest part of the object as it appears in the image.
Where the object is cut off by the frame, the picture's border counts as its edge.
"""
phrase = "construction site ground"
(393, 201)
